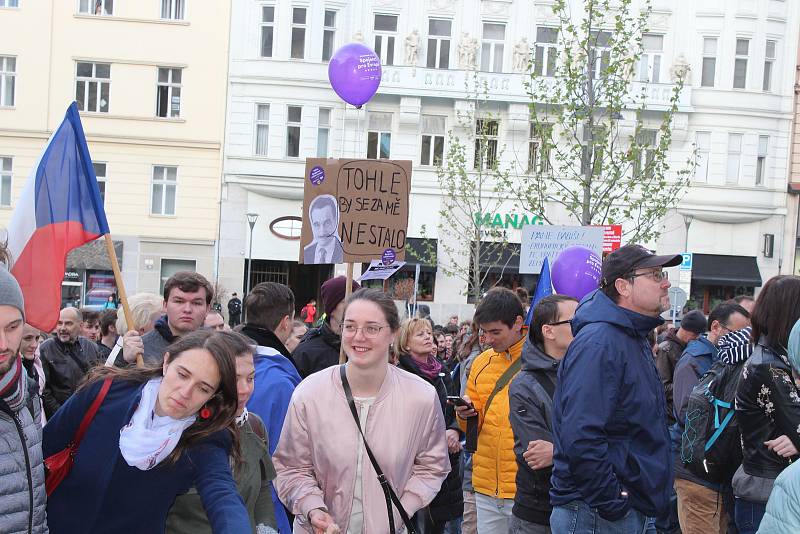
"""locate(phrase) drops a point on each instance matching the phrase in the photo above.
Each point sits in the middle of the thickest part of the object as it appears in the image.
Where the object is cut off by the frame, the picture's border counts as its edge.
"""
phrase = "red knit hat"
(333, 292)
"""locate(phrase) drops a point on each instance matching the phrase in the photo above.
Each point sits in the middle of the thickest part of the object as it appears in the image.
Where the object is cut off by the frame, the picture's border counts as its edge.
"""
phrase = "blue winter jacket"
(102, 493)
(609, 415)
(276, 378)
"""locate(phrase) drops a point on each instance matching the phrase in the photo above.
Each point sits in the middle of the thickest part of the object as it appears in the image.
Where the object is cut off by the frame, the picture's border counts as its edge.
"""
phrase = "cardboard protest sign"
(377, 270)
(539, 242)
(354, 210)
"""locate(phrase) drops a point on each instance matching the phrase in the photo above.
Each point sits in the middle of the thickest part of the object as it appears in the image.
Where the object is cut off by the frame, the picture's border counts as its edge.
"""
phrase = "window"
(494, 36)
(709, 62)
(432, 147)
(298, 33)
(267, 30)
(171, 267)
(293, 119)
(9, 3)
(734, 158)
(172, 9)
(439, 43)
(328, 34)
(8, 79)
(100, 172)
(5, 181)
(539, 148)
(702, 141)
(769, 62)
(599, 52)
(650, 62)
(645, 153)
(740, 65)
(486, 137)
(761, 159)
(168, 93)
(96, 7)
(165, 180)
(385, 34)
(262, 129)
(546, 52)
(379, 135)
(92, 86)
(323, 132)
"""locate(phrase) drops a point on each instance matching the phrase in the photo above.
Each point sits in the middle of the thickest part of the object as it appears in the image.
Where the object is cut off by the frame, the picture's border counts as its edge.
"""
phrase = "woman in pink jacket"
(325, 476)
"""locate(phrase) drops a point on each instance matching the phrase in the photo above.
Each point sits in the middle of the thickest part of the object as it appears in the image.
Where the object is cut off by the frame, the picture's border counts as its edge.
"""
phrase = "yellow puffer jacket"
(494, 465)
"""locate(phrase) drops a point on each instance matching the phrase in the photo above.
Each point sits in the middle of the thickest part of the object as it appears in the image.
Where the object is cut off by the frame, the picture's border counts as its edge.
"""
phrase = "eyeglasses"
(656, 276)
(369, 331)
(565, 321)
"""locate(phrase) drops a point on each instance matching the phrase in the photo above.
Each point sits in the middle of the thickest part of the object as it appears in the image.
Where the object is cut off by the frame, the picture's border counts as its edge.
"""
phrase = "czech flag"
(60, 209)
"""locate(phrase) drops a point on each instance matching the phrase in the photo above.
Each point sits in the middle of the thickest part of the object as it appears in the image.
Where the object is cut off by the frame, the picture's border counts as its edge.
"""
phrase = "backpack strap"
(548, 385)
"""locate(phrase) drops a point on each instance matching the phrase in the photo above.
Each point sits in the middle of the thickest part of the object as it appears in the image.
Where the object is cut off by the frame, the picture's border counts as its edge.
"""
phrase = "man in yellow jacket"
(500, 317)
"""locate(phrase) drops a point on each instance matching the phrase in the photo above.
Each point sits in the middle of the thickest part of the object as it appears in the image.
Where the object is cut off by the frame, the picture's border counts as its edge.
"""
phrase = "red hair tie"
(205, 412)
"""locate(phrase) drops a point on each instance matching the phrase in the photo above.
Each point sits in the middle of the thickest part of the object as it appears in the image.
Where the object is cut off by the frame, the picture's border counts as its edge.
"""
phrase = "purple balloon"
(355, 73)
(576, 272)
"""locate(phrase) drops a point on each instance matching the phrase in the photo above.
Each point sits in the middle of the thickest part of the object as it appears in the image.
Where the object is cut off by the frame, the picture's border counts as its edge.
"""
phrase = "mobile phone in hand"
(458, 401)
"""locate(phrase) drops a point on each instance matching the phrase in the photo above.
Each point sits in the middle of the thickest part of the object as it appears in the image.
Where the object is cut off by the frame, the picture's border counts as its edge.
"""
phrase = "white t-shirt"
(356, 524)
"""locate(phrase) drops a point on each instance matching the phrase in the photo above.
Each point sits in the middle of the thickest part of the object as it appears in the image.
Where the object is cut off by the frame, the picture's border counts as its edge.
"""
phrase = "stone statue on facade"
(412, 48)
(358, 37)
(681, 69)
(522, 55)
(467, 52)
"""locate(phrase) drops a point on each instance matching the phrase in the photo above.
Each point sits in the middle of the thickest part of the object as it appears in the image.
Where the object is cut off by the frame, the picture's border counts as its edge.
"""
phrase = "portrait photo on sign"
(326, 247)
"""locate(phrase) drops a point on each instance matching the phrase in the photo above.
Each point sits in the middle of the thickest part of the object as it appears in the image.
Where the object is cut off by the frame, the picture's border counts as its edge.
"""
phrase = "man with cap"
(319, 349)
(22, 492)
(612, 465)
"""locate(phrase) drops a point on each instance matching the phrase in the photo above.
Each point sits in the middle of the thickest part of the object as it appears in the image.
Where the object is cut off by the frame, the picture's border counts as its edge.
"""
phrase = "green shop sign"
(504, 220)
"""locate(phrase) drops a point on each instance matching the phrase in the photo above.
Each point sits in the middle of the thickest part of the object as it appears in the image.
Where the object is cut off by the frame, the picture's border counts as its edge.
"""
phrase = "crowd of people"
(596, 417)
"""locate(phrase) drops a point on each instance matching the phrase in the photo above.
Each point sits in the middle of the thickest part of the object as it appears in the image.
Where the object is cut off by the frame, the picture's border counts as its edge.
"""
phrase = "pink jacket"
(317, 453)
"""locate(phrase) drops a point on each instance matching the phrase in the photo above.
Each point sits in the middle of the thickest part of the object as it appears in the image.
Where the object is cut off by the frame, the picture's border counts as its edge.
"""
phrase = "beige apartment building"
(150, 80)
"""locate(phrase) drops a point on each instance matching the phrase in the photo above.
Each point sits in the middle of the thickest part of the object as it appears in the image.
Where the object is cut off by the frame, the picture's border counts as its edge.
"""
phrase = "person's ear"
(547, 332)
(623, 287)
(519, 322)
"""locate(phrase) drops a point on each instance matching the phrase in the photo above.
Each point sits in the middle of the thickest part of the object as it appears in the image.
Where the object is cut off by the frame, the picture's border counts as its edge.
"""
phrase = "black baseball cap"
(695, 322)
(627, 259)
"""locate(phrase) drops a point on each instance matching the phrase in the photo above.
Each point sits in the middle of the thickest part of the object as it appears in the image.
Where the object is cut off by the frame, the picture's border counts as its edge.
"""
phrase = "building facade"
(736, 109)
(149, 78)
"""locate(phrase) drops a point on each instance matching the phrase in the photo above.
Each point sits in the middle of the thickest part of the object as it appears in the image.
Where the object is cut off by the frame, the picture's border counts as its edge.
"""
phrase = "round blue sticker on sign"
(317, 175)
(388, 256)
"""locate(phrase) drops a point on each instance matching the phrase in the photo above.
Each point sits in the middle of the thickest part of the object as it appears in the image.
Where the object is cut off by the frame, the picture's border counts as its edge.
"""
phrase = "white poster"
(540, 241)
(378, 271)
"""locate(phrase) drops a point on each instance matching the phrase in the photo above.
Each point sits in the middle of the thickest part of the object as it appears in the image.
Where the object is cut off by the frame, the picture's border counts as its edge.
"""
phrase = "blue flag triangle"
(544, 287)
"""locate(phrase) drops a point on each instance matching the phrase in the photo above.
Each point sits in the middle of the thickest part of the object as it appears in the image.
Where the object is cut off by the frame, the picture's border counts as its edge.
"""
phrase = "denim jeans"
(578, 518)
(748, 515)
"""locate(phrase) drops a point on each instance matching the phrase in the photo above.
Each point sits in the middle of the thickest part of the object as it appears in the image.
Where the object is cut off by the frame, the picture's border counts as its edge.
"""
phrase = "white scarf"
(148, 439)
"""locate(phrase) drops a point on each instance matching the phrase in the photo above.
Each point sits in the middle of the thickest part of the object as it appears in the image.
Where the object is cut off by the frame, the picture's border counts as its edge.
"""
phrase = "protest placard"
(377, 270)
(539, 242)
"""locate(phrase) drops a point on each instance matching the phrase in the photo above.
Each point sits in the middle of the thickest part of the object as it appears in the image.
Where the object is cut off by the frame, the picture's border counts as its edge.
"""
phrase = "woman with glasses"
(325, 475)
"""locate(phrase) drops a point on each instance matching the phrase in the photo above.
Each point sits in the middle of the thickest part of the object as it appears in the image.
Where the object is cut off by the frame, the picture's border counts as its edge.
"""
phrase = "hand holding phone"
(464, 407)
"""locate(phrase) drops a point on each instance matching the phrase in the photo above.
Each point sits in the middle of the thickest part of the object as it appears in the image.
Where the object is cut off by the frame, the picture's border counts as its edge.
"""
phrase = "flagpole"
(347, 291)
(123, 297)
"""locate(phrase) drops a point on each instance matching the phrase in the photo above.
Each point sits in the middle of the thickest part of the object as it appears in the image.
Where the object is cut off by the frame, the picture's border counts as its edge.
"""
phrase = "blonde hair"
(408, 329)
(143, 307)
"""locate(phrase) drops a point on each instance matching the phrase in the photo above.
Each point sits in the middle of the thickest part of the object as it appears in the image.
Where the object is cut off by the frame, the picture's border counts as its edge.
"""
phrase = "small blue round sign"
(317, 175)
(388, 256)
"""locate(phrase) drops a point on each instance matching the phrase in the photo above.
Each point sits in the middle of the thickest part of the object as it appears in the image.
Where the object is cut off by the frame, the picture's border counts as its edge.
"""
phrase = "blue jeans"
(748, 515)
(578, 518)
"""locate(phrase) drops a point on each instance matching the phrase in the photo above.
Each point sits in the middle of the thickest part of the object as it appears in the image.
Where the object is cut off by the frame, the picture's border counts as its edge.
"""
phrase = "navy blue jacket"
(609, 415)
(103, 493)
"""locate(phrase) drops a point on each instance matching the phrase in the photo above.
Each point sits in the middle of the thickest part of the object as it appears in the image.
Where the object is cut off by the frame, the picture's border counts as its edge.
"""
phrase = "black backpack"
(711, 443)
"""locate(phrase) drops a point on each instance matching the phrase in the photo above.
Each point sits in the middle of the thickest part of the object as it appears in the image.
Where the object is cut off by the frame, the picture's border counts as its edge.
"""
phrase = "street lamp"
(251, 220)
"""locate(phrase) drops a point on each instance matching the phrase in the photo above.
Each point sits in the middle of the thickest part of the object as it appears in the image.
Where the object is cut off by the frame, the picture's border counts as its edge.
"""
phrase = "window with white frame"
(100, 173)
(599, 52)
(6, 167)
(379, 135)
(169, 267)
(294, 118)
(92, 86)
(267, 30)
(9, 3)
(8, 79)
(545, 52)
(432, 142)
(298, 49)
(328, 34)
(168, 93)
(323, 132)
(650, 62)
(439, 34)
(262, 129)
(709, 72)
(645, 152)
(494, 36)
(740, 64)
(385, 28)
(96, 7)
(539, 144)
(769, 63)
(734, 158)
(165, 182)
(702, 143)
(173, 9)
(761, 159)
(486, 139)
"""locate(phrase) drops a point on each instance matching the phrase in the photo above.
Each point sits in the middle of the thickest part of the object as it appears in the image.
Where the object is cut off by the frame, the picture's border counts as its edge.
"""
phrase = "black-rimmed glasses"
(565, 321)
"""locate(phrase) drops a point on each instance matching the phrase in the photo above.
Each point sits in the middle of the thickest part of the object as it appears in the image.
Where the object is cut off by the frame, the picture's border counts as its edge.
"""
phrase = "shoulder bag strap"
(547, 385)
(87, 418)
(502, 382)
(391, 496)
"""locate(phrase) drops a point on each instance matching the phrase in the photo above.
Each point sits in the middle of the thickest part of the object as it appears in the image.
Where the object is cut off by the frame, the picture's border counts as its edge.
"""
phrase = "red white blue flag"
(60, 209)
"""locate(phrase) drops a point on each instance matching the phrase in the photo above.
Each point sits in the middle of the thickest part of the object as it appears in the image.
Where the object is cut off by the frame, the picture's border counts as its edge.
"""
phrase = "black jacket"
(65, 366)
(531, 415)
(767, 406)
(318, 350)
(667, 355)
(265, 337)
(449, 502)
(235, 306)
